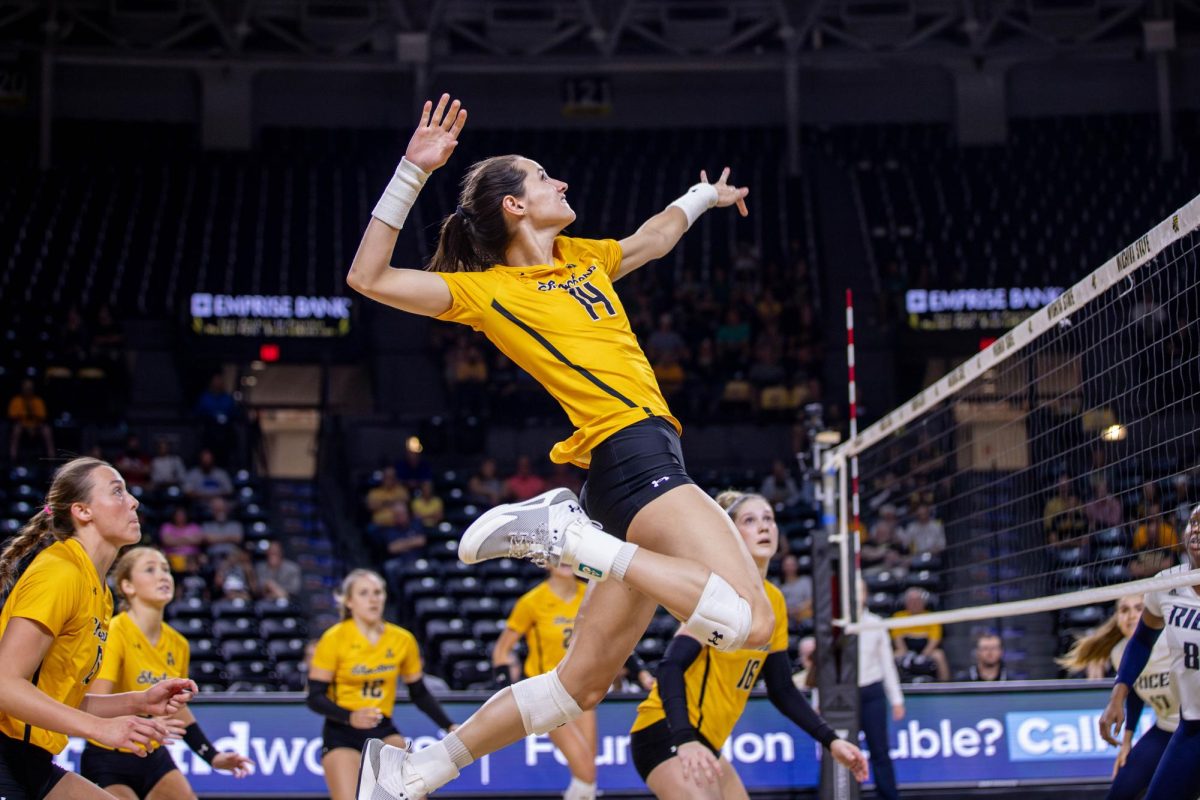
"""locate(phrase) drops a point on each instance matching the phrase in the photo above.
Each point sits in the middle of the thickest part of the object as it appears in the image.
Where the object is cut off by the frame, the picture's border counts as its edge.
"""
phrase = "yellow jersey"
(933, 631)
(365, 674)
(564, 324)
(62, 592)
(133, 664)
(547, 622)
(718, 684)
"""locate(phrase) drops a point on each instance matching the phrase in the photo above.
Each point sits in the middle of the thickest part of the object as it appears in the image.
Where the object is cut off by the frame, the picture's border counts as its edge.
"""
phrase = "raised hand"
(851, 758)
(168, 696)
(436, 135)
(727, 194)
(233, 762)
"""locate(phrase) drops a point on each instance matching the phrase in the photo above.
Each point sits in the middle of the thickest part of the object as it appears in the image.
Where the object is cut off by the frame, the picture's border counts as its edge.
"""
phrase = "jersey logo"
(389, 653)
(170, 659)
(716, 638)
(657, 481)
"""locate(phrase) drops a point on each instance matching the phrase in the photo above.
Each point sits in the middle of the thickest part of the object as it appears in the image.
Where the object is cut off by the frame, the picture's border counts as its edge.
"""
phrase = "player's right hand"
(500, 677)
(699, 765)
(135, 734)
(365, 718)
(1113, 718)
(1122, 754)
(436, 135)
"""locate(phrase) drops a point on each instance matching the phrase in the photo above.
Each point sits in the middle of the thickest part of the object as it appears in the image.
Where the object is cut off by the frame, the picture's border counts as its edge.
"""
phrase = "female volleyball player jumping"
(53, 628)
(547, 301)
(1178, 612)
(1134, 766)
(545, 617)
(680, 728)
(352, 680)
(140, 648)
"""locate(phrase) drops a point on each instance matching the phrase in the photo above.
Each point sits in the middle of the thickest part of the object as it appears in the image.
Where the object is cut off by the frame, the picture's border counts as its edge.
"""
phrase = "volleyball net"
(1058, 463)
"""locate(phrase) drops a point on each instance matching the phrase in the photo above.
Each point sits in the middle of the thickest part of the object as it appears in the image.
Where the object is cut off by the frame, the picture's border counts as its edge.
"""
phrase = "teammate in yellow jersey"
(548, 302)
(352, 680)
(53, 627)
(545, 617)
(143, 650)
(680, 728)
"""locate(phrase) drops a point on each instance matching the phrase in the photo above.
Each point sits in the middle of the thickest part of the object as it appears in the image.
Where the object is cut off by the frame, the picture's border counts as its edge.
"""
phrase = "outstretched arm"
(659, 234)
(411, 290)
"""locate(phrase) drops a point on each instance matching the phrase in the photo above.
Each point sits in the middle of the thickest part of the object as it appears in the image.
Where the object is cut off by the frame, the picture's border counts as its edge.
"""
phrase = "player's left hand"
(851, 758)
(645, 679)
(233, 762)
(728, 195)
(167, 697)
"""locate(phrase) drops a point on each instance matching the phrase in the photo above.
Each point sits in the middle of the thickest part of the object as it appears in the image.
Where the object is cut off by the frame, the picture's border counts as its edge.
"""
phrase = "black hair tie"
(462, 212)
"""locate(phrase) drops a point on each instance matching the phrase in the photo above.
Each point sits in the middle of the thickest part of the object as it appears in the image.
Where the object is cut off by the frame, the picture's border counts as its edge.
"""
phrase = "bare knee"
(587, 691)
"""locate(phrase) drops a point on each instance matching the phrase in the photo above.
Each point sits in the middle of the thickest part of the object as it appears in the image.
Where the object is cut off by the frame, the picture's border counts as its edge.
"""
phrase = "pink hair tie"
(46, 510)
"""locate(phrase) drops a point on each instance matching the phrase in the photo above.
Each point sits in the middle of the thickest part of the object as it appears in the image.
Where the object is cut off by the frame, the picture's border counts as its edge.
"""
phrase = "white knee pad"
(721, 618)
(544, 703)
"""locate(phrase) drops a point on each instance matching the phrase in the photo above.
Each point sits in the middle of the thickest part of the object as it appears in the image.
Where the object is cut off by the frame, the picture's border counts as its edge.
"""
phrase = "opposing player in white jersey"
(1134, 765)
(1177, 612)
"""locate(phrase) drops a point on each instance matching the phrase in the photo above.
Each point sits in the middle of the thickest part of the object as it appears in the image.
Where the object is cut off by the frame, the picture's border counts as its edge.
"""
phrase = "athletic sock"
(458, 751)
(580, 790)
(622, 559)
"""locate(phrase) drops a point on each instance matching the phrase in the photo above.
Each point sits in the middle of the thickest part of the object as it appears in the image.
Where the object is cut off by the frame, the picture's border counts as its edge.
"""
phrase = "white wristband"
(400, 194)
(700, 198)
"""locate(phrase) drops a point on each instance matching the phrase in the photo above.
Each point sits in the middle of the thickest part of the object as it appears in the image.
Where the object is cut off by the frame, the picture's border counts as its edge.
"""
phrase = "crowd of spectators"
(744, 342)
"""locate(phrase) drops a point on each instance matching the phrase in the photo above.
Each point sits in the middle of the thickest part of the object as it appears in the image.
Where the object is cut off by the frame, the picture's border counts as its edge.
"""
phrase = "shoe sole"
(478, 531)
(366, 778)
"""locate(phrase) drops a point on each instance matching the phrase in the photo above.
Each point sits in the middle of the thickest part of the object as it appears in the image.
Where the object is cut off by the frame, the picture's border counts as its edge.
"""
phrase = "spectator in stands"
(166, 468)
(524, 483)
(485, 486)
(1103, 511)
(235, 577)
(805, 677)
(733, 340)
(278, 577)
(797, 589)
(427, 507)
(1151, 497)
(924, 534)
(221, 534)
(413, 469)
(403, 543)
(1062, 517)
(206, 480)
(670, 375)
(466, 377)
(74, 343)
(780, 487)
(181, 540)
(989, 660)
(385, 502)
(1183, 501)
(217, 411)
(920, 645)
(883, 549)
(108, 353)
(1156, 544)
(133, 463)
(666, 342)
(30, 422)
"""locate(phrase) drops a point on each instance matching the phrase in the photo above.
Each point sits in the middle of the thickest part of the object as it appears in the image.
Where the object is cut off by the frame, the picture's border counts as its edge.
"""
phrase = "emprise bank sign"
(1023, 733)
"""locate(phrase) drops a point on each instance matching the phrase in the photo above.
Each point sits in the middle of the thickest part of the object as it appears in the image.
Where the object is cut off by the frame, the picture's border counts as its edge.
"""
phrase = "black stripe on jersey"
(554, 351)
(37, 673)
(703, 689)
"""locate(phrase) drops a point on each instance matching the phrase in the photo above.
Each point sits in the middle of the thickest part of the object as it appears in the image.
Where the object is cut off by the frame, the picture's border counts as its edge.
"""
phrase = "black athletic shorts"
(629, 469)
(105, 768)
(27, 772)
(335, 735)
(651, 746)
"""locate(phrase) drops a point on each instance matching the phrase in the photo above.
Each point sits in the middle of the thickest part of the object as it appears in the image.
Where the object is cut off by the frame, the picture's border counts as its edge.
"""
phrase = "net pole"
(852, 392)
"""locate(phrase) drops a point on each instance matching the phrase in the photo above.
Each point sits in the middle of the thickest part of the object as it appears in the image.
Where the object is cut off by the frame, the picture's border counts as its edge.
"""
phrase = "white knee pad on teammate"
(721, 618)
(544, 703)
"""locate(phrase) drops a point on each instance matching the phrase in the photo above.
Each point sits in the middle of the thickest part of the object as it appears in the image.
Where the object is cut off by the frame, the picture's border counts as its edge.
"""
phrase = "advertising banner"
(1011, 734)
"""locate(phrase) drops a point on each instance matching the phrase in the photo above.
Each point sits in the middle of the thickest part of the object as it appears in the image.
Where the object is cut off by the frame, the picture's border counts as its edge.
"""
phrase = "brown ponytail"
(1094, 648)
(475, 236)
(52, 523)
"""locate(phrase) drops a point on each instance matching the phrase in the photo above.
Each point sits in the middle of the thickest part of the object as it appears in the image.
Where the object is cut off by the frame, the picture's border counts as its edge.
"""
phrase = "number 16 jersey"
(365, 674)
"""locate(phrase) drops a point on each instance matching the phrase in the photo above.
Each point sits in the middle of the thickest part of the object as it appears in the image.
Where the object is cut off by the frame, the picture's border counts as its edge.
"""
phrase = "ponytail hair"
(1096, 647)
(52, 523)
(348, 582)
(475, 236)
